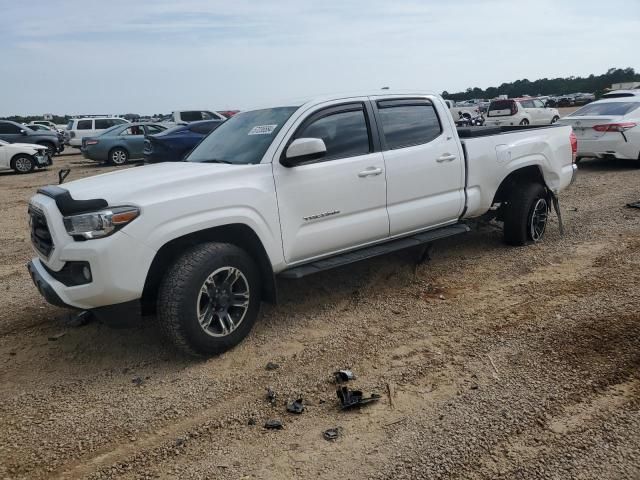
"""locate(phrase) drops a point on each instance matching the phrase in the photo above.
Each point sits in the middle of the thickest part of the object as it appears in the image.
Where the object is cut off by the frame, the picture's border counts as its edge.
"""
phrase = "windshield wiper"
(216, 160)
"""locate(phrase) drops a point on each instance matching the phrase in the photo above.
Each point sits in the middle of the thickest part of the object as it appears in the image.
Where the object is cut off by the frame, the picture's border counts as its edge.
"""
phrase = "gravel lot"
(492, 362)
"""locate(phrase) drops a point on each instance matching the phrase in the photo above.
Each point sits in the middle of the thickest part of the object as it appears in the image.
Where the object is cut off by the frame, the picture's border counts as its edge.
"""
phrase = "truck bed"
(473, 132)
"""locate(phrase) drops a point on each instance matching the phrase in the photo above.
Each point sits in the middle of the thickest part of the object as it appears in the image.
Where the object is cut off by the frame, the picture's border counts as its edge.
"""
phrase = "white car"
(178, 117)
(621, 94)
(23, 157)
(78, 128)
(290, 191)
(459, 112)
(520, 111)
(608, 128)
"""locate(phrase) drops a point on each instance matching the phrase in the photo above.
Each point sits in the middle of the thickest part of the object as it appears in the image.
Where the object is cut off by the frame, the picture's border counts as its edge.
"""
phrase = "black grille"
(40, 235)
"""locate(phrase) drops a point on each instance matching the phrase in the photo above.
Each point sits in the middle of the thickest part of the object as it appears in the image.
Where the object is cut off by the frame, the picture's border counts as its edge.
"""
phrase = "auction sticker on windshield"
(262, 130)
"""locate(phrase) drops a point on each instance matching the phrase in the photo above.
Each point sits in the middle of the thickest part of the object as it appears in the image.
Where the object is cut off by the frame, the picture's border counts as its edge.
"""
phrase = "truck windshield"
(242, 139)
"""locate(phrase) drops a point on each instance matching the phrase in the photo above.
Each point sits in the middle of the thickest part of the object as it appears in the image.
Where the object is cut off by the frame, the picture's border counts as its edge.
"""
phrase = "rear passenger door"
(424, 166)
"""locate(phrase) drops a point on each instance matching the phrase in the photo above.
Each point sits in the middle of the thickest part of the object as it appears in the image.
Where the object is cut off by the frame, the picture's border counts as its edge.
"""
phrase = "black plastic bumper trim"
(67, 205)
(45, 289)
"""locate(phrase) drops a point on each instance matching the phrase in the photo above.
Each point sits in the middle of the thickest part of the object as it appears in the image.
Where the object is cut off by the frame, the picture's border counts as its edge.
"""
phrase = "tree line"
(551, 86)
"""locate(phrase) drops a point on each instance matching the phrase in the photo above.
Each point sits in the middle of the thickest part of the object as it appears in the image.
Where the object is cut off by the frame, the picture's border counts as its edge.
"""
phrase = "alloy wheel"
(538, 222)
(223, 301)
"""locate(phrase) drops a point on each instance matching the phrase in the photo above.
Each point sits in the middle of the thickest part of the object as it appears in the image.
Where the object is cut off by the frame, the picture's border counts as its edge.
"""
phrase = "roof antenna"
(62, 174)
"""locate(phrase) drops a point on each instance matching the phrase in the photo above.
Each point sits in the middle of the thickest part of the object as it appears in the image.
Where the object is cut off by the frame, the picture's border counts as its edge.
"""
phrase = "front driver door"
(339, 200)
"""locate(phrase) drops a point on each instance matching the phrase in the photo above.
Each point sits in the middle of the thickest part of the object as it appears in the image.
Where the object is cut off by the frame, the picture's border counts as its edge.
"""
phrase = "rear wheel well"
(236, 234)
(530, 174)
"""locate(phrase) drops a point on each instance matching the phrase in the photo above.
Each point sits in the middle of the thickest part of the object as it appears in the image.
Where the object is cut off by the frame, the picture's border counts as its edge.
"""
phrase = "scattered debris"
(252, 421)
(180, 442)
(332, 433)
(273, 424)
(272, 366)
(391, 392)
(395, 422)
(271, 395)
(634, 204)
(342, 376)
(80, 319)
(354, 398)
(494, 366)
(57, 336)
(296, 406)
(137, 381)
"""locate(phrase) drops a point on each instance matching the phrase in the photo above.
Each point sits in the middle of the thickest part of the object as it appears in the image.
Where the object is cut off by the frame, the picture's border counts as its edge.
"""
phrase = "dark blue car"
(173, 144)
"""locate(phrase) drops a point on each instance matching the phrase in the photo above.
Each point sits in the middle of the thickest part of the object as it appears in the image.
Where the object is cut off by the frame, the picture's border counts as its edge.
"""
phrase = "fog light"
(86, 273)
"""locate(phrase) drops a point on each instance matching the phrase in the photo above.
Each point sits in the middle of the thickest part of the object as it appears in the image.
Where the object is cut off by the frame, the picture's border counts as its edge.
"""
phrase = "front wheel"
(555, 119)
(209, 299)
(526, 215)
(23, 163)
(524, 122)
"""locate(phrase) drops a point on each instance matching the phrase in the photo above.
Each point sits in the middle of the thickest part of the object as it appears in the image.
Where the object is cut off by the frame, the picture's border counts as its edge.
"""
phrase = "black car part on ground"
(354, 398)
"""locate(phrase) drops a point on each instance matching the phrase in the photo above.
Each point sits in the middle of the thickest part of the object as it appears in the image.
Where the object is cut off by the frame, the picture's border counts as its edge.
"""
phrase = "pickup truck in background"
(460, 112)
(286, 191)
(180, 117)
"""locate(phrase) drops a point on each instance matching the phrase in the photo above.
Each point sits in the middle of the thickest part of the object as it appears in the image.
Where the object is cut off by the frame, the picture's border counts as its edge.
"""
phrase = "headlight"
(99, 224)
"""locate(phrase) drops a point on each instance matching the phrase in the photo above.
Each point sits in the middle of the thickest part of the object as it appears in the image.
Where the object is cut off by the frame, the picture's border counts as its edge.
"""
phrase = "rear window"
(204, 128)
(192, 116)
(406, 125)
(608, 108)
(85, 124)
(502, 108)
(618, 95)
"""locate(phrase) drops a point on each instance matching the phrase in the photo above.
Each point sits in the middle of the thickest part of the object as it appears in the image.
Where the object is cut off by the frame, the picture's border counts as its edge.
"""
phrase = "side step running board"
(374, 251)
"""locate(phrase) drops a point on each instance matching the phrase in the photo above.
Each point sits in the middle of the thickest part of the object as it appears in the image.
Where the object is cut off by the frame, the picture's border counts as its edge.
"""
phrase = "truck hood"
(150, 183)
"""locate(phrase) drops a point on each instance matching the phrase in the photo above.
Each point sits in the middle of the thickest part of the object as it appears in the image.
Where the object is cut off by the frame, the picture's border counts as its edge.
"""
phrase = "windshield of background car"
(244, 138)
(609, 108)
(70, 125)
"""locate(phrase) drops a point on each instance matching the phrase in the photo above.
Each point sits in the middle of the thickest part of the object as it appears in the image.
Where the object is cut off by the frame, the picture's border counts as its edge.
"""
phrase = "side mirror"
(304, 150)
(23, 132)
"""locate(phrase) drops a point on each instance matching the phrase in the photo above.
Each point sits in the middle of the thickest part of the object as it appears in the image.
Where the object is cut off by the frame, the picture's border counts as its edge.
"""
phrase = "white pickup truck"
(287, 191)
(187, 116)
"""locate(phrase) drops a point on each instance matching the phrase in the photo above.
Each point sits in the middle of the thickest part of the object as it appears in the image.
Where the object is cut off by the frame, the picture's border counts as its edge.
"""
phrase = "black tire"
(523, 214)
(118, 156)
(51, 148)
(23, 163)
(524, 122)
(555, 119)
(180, 299)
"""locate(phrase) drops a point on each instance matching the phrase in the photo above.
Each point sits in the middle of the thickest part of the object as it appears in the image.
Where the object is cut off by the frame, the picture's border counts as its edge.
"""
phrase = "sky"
(155, 56)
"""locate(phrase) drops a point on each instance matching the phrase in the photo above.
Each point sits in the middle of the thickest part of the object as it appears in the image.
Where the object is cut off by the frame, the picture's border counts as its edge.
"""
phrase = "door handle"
(447, 157)
(370, 172)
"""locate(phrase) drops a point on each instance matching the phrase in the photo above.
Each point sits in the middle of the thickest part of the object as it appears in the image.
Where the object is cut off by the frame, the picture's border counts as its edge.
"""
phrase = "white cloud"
(152, 56)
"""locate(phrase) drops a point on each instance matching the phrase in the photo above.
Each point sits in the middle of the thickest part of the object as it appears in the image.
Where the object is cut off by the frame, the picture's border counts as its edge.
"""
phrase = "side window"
(538, 104)
(407, 125)
(527, 104)
(190, 116)
(102, 123)
(133, 130)
(85, 125)
(117, 121)
(345, 134)
(9, 128)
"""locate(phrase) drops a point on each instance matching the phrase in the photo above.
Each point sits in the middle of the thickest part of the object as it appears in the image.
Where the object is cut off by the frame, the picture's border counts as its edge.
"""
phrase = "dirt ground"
(492, 363)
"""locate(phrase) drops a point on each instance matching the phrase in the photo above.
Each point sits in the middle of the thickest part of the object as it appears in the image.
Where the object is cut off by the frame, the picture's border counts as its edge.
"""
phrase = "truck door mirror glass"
(304, 149)
(23, 132)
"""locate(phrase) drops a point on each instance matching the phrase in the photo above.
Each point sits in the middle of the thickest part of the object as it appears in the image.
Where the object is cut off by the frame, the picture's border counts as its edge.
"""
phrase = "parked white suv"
(520, 111)
(188, 116)
(78, 128)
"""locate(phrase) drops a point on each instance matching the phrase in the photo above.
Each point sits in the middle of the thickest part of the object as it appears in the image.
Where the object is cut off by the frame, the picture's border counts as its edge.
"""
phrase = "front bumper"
(43, 286)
